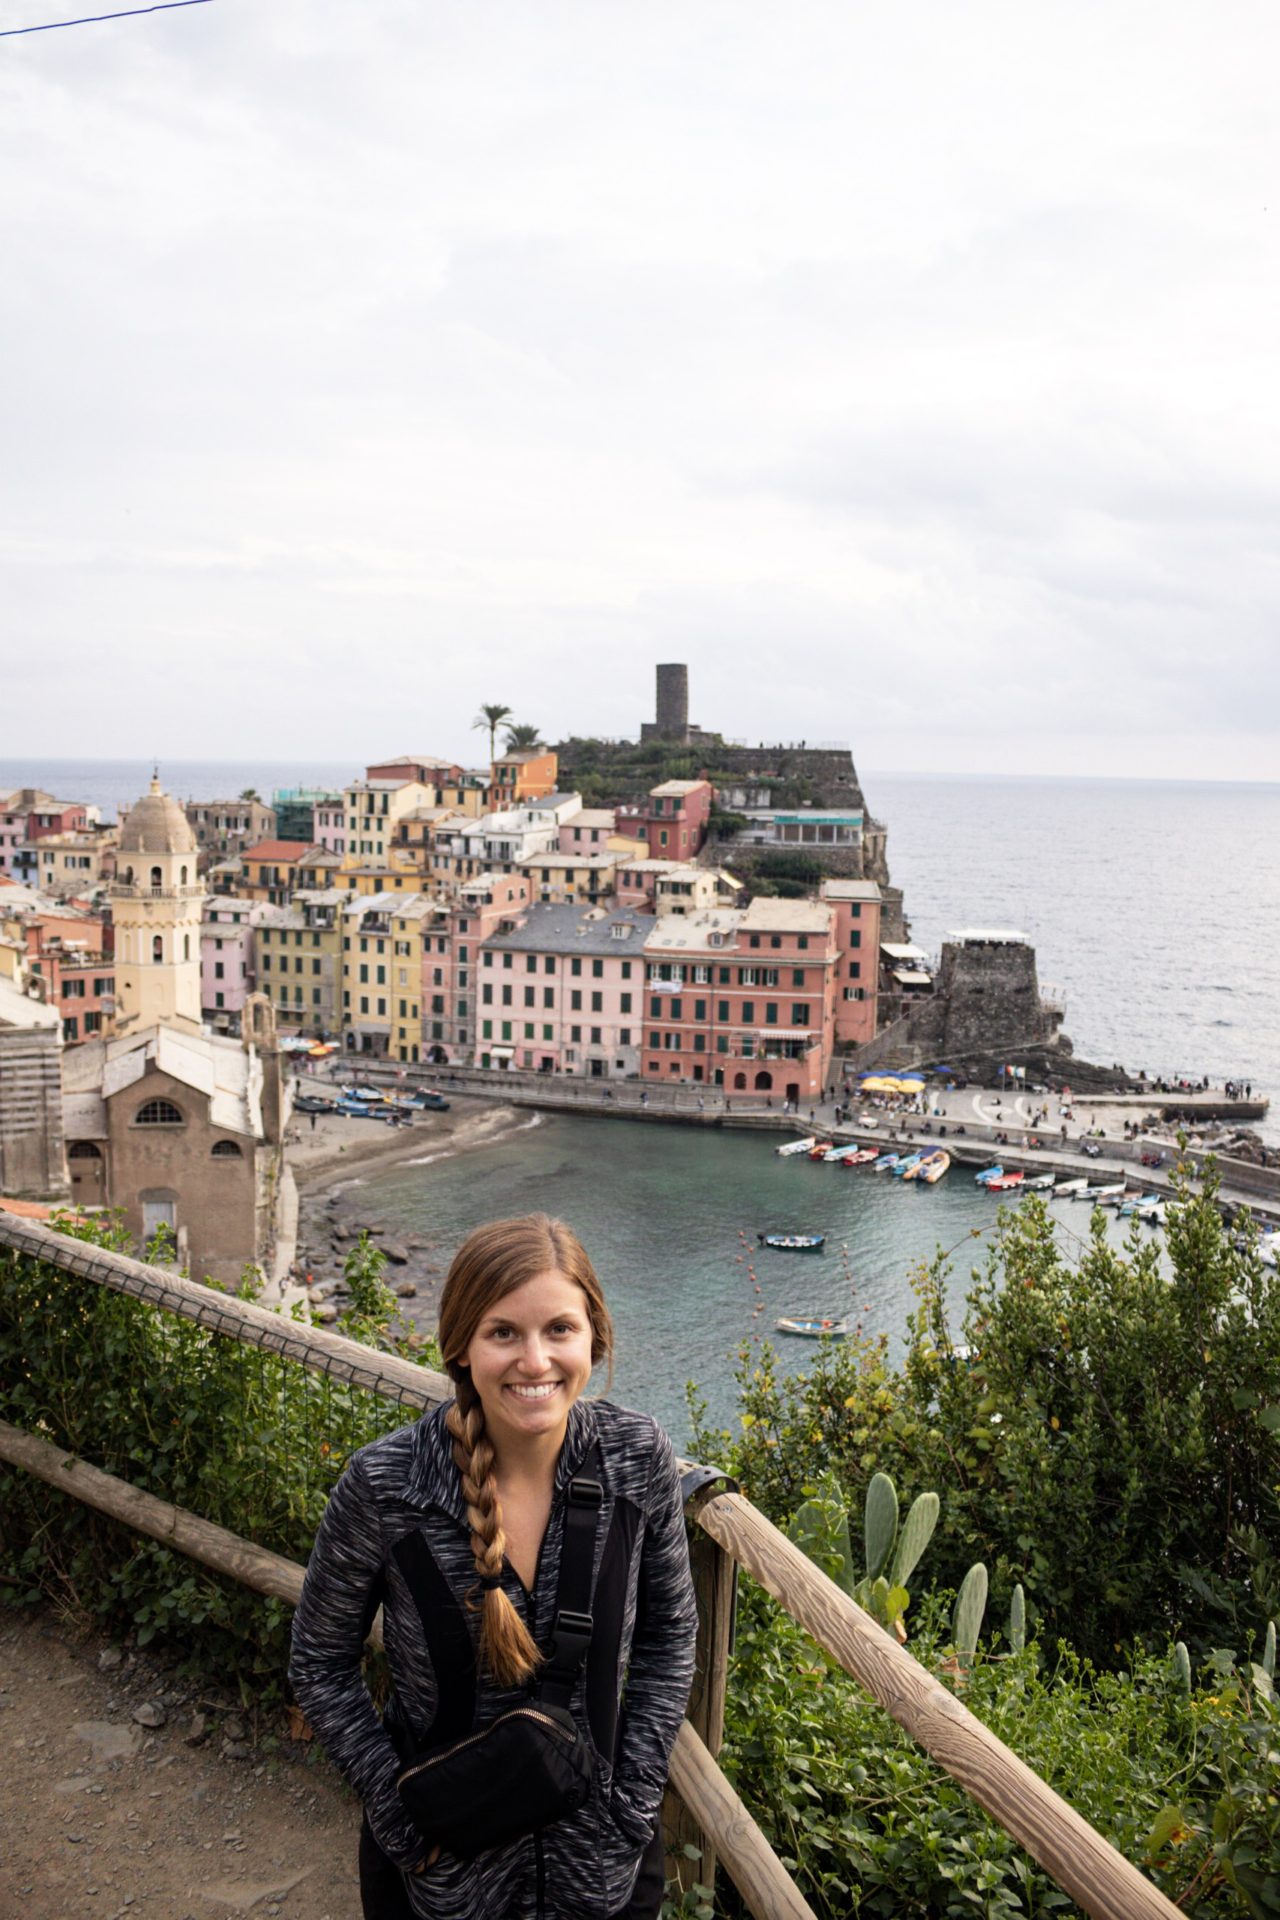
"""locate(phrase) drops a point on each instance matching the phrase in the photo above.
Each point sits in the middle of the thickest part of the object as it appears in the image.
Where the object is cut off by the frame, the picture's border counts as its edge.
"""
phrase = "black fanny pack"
(469, 1791)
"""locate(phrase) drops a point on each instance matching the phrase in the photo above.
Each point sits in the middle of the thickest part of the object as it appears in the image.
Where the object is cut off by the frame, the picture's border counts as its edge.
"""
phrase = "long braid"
(507, 1649)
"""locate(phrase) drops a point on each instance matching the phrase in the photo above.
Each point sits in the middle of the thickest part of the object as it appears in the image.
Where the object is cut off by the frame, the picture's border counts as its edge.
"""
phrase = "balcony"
(126, 891)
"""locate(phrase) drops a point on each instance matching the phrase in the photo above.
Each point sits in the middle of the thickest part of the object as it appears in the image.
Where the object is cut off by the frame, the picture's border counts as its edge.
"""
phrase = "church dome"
(157, 824)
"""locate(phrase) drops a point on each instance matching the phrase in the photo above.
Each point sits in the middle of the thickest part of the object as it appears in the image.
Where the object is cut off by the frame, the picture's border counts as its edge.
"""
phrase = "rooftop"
(849, 890)
(706, 931)
(787, 916)
(228, 1074)
(279, 850)
(573, 930)
(157, 824)
(675, 789)
(993, 937)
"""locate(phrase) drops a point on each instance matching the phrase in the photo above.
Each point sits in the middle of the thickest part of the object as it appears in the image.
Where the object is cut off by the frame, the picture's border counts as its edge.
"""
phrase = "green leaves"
(881, 1523)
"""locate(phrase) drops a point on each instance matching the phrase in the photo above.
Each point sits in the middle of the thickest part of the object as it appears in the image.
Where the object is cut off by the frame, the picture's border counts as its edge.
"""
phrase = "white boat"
(1065, 1188)
(845, 1152)
(1094, 1195)
(1152, 1211)
(814, 1329)
(1042, 1183)
(798, 1146)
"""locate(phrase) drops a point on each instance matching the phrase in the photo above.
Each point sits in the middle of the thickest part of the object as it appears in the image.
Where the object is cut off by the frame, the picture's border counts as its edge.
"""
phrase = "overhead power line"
(91, 19)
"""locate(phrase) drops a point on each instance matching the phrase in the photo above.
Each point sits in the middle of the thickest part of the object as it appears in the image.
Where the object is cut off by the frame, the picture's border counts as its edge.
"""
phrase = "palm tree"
(522, 736)
(492, 717)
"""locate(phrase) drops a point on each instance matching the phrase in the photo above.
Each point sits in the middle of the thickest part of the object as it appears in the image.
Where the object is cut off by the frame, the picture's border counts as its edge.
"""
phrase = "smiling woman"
(528, 1547)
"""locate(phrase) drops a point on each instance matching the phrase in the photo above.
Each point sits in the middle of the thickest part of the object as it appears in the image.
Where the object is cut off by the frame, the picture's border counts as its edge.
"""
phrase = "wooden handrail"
(1098, 1878)
(747, 1856)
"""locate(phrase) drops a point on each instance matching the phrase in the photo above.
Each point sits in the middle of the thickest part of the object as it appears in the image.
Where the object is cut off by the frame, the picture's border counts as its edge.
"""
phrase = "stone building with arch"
(183, 1131)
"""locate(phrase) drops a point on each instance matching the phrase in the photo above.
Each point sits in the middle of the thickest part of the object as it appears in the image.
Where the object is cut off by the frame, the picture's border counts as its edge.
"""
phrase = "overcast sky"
(908, 370)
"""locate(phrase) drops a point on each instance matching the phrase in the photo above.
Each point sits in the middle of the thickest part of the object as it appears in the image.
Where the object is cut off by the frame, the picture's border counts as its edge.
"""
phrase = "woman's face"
(530, 1358)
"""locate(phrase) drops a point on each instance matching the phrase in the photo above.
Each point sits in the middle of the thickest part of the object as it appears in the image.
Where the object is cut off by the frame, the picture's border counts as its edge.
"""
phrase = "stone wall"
(986, 997)
(33, 1163)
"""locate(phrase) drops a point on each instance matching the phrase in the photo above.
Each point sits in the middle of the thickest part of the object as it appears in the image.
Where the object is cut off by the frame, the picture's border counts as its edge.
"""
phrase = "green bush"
(1184, 1786)
(239, 1436)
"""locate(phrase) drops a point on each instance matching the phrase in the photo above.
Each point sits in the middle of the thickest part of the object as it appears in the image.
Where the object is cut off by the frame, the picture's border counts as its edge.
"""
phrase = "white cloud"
(907, 371)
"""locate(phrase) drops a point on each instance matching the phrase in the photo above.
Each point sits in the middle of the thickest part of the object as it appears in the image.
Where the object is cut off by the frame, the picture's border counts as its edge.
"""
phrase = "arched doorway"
(739, 1082)
(764, 1082)
(88, 1173)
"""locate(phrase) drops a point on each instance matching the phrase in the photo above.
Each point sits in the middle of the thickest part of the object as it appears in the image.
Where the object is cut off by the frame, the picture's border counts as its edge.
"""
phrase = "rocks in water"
(405, 1290)
(397, 1254)
(325, 1314)
(341, 1231)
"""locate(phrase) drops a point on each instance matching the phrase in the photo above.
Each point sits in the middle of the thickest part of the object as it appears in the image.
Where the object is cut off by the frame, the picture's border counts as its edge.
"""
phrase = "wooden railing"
(730, 1533)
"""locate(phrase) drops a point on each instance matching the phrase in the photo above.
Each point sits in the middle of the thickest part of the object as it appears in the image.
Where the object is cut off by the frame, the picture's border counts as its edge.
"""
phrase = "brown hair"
(491, 1263)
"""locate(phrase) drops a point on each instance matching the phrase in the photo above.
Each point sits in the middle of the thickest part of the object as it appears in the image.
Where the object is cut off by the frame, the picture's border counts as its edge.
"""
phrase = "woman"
(485, 1485)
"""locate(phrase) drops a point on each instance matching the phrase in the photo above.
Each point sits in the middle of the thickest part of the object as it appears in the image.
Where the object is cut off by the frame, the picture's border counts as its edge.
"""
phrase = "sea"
(1154, 908)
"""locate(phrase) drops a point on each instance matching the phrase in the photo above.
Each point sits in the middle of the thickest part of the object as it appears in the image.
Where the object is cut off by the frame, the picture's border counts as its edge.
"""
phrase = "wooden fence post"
(715, 1587)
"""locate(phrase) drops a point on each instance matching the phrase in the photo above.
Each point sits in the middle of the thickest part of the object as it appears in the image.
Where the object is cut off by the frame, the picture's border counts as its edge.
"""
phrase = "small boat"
(1152, 1211)
(1094, 1194)
(1006, 1183)
(1041, 1184)
(818, 1151)
(1065, 1188)
(885, 1163)
(814, 1329)
(863, 1157)
(796, 1146)
(793, 1242)
(905, 1168)
(987, 1175)
(933, 1166)
(834, 1155)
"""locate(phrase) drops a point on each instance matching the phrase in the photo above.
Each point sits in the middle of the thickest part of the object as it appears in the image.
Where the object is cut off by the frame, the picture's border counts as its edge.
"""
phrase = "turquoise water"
(670, 1216)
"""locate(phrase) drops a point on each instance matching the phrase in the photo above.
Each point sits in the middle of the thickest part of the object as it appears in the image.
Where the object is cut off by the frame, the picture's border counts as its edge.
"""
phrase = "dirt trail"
(105, 1816)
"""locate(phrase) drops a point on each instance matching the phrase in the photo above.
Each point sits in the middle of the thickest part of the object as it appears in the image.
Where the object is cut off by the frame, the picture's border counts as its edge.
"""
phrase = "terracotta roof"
(278, 850)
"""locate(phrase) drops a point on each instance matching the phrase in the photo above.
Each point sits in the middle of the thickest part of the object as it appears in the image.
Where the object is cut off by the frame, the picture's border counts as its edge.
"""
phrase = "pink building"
(489, 903)
(675, 822)
(71, 958)
(227, 974)
(743, 1000)
(589, 831)
(857, 906)
(329, 828)
(563, 992)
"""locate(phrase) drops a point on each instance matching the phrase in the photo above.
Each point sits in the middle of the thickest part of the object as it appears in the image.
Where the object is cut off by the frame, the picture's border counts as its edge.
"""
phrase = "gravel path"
(127, 1795)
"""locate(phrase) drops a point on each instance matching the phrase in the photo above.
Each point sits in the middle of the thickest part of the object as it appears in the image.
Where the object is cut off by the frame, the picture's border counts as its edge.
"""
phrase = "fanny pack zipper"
(522, 1713)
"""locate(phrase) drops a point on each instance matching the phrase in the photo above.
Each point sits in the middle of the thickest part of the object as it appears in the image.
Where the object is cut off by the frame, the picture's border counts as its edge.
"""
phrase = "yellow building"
(571, 879)
(299, 962)
(382, 942)
(373, 810)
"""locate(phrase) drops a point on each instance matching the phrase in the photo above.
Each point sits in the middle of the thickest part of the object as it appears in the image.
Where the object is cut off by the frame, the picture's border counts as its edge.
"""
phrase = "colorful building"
(156, 902)
(299, 960)
(857, 905)
(373, 809)
(227, 958)
(224, 828)
(274, 870)
(675, 820)
(486, 904)
(527, 774)
(370, 967)
(743, 1000)
(563, 992)
(571, 879)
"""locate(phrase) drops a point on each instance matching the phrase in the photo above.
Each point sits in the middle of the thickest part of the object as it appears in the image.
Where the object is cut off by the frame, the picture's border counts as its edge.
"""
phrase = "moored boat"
(933, 1166)
(834, 1155)
(863, 1157)
(1065, 1188)
(793, 1242)
(885, 1164)
(814, 1329)
(1006, 1183)
(796, 1146)
(987, 1175)
(1041, 1184)
(905, 1168)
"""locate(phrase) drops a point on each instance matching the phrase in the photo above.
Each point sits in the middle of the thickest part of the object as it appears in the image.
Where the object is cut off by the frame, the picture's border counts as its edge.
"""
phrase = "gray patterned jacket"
(630, 1700)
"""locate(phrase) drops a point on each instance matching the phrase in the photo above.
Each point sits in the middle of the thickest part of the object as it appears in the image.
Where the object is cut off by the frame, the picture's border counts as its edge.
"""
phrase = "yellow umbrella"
(880, 1084)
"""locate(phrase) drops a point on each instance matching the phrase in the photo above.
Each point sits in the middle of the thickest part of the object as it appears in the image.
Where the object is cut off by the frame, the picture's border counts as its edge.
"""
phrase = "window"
(677, 1009)
(225, 1150)
(855, 969)
(724, 976)
(699, 1042)
(575, 965)
(699, 1009)
(597, 969)
(775, 939)
(575, 1033)
(800, 1015)
(506, 996)
(531, 963)
(722, 1043)
(486, 1029)
(803, 940)
(597, 1003)
(575, 1000)
(595, 1036)
(753, 940)
(547, 1032)
(771, 1013)
(486, 994)
(655, 1008)
(549, 963)
(158, 1113)
(626, 969)
(364, 973)
(624, 1037)
(855, 937)
(529, 999)
(624, 1002)
(722, 1010)
(797, 976)
(748, 1011)
(507, 961)
(364, 1003)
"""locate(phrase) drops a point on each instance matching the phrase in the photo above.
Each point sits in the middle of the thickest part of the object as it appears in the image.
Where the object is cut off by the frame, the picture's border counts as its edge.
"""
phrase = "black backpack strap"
(448, 1639)
(571, 1629)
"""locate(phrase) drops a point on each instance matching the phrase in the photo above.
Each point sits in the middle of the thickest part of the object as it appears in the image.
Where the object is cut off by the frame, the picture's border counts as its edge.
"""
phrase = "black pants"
(383, 1897)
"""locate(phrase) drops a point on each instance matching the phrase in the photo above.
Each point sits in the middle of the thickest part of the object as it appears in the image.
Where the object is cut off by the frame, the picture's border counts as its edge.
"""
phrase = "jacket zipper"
(459, 1746)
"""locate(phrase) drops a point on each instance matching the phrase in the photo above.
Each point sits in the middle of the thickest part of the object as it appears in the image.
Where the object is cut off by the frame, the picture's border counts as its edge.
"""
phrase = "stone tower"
(156, 904)
(673, 702)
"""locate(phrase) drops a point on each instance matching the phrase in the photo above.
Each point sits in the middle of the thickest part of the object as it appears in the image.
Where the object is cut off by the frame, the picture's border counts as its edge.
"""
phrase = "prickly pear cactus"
(880, 1522)
(971, 1604)
(1182, 1669)
(917, 1531)
(1017, 1621)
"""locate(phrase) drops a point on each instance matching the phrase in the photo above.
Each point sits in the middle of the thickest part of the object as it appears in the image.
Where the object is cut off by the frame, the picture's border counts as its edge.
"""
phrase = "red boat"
(1006, 1180)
